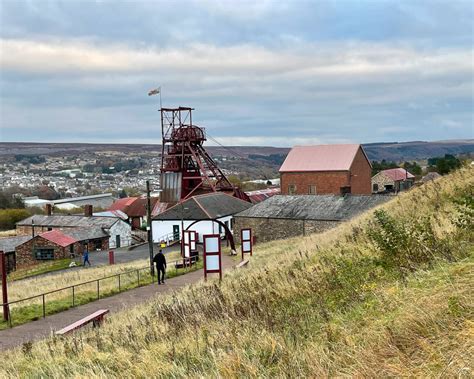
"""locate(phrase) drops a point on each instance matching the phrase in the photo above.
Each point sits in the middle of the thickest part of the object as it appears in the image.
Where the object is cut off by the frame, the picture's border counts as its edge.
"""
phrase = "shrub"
(9, 217)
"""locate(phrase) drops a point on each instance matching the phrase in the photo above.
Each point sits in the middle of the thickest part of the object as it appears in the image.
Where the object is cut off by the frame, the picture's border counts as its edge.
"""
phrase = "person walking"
(160, 262)
(85, 256)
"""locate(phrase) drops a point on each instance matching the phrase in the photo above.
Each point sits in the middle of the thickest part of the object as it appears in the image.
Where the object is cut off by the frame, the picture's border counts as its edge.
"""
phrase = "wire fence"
(86, 292)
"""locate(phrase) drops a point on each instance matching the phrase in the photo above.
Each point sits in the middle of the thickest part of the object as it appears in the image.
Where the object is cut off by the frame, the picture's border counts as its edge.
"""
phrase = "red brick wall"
(330, 182)
(327, 182)
(361, 175)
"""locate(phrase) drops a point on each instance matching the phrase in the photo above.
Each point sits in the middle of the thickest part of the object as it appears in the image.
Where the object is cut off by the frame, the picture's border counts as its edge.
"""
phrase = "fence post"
(73, 300)
(98, 289)
(44, 308)
(111, 257)
(119, 283)
(138, 277)
(6, 310)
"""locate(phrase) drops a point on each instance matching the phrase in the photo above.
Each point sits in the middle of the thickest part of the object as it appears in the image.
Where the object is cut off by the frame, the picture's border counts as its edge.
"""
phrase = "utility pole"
(149, 229)
(3, 269)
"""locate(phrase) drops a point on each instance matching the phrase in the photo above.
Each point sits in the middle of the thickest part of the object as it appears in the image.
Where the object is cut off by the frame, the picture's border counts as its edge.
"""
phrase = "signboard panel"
(246, 240)
(212, 255)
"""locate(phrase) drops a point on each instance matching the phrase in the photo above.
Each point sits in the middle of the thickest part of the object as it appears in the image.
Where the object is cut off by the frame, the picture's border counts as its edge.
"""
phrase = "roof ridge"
(200, 206)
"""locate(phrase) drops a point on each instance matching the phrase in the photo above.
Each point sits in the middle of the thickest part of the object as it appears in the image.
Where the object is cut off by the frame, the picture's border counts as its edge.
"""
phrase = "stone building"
(57, 244)
(392, 180)
(135, 208)
(288, 216)
(326, 169)
(119, 231)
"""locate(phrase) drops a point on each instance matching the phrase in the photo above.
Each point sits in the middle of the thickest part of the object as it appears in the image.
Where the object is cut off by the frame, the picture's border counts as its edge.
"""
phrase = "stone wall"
(269, 229)
(25, 255)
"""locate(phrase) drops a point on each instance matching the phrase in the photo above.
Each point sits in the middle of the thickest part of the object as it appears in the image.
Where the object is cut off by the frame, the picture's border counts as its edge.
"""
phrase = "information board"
(212, 255)
(246, 240)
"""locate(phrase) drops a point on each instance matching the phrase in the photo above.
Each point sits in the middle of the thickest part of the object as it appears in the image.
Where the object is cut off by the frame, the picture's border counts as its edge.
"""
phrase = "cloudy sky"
(258, 72)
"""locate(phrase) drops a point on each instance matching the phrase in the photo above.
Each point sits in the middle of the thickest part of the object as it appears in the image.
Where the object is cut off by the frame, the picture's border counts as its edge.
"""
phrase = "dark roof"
(314, 207)
(70, 221)
(8, 244)
(205, 207)
(82, 234)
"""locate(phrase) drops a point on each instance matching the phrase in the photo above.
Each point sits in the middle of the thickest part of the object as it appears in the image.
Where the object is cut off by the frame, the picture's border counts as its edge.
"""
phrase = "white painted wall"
(124, 230)
(165, 227)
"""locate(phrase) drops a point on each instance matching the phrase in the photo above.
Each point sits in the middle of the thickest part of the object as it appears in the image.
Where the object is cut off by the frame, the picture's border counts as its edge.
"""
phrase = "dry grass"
(325, 305)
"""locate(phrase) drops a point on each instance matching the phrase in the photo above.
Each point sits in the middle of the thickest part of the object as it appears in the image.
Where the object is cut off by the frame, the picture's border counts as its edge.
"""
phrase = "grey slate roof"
(82, 234)
(8, 244)
(69, 221)
(314, 207)
(205, 207)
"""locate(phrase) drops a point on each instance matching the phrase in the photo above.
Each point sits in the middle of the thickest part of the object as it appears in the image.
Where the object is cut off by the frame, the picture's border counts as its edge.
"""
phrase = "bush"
(9, 217)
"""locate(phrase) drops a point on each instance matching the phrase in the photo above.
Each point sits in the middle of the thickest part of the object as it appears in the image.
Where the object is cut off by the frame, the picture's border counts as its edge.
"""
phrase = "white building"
(167, 226)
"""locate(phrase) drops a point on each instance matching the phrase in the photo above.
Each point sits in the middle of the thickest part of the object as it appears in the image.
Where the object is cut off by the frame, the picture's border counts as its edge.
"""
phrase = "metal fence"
(73, 288)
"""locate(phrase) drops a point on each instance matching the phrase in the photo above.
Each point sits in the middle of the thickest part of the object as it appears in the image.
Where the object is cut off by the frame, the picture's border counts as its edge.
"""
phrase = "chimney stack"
(88, 210)
(49, 209)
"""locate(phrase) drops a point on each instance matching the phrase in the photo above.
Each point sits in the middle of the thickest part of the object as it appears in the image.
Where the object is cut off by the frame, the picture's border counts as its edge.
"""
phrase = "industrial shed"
(285, 216)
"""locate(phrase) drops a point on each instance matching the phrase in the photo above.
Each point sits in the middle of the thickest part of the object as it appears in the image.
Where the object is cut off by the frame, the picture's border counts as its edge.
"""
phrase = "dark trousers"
(160, 270)
(86, 260)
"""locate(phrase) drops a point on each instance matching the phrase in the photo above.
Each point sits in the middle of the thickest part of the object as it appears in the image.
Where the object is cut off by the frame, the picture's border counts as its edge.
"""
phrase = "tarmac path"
(42, 328)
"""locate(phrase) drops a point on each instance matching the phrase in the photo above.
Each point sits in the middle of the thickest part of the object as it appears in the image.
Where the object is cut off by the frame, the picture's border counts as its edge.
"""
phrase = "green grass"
(41, 268)
(23, 314)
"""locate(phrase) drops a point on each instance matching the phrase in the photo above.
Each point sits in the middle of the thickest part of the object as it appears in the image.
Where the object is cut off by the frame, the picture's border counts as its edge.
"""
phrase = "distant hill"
(392, 151)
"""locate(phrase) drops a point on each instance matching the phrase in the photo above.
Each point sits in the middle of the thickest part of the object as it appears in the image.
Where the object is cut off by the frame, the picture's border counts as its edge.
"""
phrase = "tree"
(122, 194)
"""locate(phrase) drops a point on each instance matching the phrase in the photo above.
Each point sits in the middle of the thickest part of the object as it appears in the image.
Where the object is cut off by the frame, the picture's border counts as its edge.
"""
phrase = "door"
(175, 232)
(117, 241)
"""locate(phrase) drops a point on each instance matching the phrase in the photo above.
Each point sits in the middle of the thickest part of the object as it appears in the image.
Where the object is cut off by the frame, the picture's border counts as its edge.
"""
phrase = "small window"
(291, 189)
(44, 254)
(375, 187)
(312, 190)
(345, 190)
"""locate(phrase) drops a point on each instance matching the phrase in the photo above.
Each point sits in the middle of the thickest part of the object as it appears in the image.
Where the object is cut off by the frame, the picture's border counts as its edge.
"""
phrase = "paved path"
(35, 330)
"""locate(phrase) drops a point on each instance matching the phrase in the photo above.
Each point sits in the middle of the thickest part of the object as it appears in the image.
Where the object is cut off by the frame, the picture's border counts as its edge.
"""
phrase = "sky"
(273, 73)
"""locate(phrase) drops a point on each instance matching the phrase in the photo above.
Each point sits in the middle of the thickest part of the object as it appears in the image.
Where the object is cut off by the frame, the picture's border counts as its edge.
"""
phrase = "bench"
(96, 318)
(189, 262)
(242, 264)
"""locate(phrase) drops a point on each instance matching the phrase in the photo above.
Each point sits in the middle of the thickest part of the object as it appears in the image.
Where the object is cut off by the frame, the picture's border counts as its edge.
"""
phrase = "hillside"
(388, 294)
(393, 151)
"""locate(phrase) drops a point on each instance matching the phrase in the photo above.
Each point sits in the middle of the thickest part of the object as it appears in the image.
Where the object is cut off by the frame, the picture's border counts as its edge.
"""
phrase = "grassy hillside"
(389, 294)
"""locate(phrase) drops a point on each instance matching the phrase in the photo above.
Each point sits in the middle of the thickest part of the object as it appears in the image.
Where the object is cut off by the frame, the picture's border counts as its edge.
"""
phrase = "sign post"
(246, 240)
(212, 255)
(3, 270)
(186, 247)
(111, 257)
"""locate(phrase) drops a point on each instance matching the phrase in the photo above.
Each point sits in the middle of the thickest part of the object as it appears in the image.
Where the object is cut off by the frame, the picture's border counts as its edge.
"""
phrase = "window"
(345, 190)
(312, 190)
(291, 189)
(375, 187)
(44, 254)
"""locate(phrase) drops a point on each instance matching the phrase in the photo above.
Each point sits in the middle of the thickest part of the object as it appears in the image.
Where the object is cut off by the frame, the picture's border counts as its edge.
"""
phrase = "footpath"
(36, 330)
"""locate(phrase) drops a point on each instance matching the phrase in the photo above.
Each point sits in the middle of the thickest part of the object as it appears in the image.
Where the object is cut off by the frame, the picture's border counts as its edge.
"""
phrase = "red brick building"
(326, 169)
(134, 208)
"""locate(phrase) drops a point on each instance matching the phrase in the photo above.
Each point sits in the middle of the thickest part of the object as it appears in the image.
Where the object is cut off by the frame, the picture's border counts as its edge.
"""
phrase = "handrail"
(137, 270)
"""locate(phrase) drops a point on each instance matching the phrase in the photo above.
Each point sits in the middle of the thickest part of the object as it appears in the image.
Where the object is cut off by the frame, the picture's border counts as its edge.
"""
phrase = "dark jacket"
(160, 260)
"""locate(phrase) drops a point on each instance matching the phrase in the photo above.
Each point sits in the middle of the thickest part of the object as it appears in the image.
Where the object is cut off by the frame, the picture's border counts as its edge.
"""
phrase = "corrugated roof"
(58, 237)
(205, 207)
(260, 195)
(133, 206)
(314, 207)
(83, 234)
(397, 174)
(320, 158)
(8, 244)
(69, 221)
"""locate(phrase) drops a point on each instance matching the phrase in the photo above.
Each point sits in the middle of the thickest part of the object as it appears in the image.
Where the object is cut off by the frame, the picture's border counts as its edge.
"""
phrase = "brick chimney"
(49, 209)
(88, 210)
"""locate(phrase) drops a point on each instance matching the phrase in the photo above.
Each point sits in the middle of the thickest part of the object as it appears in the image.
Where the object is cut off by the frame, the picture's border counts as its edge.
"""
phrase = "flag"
(155, 91)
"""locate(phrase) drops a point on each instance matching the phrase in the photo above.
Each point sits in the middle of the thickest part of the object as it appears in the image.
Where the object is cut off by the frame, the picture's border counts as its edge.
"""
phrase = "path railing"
(141, 279)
